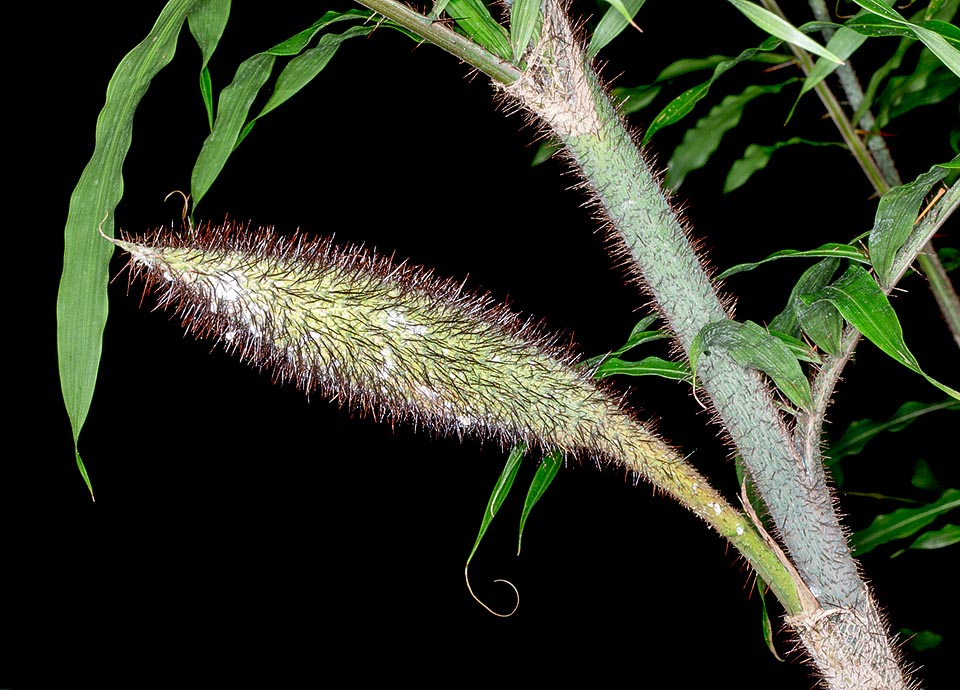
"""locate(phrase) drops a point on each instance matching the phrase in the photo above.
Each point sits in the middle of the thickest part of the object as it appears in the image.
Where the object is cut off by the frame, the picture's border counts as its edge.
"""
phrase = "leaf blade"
(82, 296)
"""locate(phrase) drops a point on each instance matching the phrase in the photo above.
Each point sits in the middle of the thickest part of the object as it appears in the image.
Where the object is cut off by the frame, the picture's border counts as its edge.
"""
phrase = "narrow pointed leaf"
(781, 28)
(683, 105)
(231, 124)
(301, 70)
(207, 22)
(639, 335)
(618, 17)
(752, 346)
(82, 297)
(831, 250)
(525, 20)
(702, 140)
(648, 366)
(822, 323)
(896, 214)
(500, 492)
(936, 36)
(863, 304)
(756, 157)
(798, 348)
(474, 20)
(902, 523)
(232, 109)
(860, 432)
(948, 535)
(843, 44)
(814, 278)
(542, 479)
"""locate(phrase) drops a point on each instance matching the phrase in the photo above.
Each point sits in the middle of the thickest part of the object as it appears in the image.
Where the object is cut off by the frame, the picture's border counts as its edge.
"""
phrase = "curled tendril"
(516, 592)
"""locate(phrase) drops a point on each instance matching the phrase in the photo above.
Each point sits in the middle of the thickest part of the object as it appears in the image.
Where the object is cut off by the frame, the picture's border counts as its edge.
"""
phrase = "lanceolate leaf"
(832, 250)
(702, 140)
(948, 535)
(814, 278)
(843, 44)
(236, 99)
(207, 22)
(475, 21)
(937, 36)
(896, 214)
(638, 336)
(903, 523)
(82, 298)
(618, 17)
(542, 479)
(863, 304)
(860, 432)
(752, 346)
(756, 157)
(781, 28)
(500, 492)
(648, 366)
(822, 323)
(682, 105)
(525, 19)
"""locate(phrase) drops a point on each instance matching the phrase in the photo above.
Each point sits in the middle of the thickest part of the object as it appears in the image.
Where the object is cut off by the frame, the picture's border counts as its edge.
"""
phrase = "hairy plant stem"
(437, 33)
(562, 90)
(843, 631)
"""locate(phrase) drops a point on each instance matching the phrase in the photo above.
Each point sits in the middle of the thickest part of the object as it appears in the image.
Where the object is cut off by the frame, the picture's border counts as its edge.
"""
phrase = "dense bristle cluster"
(402, 344)
(386, 338)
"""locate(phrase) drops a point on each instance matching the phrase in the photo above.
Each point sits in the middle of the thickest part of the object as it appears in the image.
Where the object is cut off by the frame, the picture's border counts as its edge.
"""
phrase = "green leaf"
(640, 334)
(865, 306)
(896, 215)
(781, 28)
(769, 636)
(544, 476)
(750, 345)
(798, 348)
(831, 249)
(618, 17)
(231, 126)
(922, 640)
(923, 477)
(936, 36)
(843, 44)
(476, 23)
(860, 432)
(814, 278)
(683, 105)
(648, 366)
(902, 523)
(822, 323)
(207, 21)
(756, 157)
(636, 98)
(500, 491)
(82, 297)
(234, 104)
(948, 535)
(526, 18)
(702, 140)
(301, 70)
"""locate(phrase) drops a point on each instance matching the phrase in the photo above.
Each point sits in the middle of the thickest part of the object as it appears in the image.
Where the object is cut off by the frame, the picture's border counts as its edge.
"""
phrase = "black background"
(244, 533)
